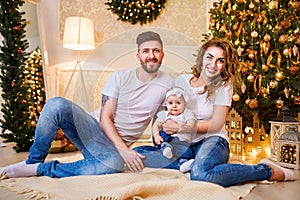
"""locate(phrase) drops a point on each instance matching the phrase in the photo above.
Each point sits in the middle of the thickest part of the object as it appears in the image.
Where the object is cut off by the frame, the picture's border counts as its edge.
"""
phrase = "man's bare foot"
(279, 173)
(20, 169)
(3, 174)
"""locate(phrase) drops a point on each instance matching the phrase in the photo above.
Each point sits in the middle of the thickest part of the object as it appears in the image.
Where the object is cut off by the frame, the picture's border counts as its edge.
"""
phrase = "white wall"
(181, 36)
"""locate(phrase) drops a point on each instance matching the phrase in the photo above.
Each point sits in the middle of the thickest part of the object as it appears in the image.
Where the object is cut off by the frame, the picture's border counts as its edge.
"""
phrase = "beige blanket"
(151, 184)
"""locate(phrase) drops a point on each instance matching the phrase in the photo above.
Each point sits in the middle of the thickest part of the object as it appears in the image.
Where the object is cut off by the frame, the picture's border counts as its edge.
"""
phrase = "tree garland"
(134, 11)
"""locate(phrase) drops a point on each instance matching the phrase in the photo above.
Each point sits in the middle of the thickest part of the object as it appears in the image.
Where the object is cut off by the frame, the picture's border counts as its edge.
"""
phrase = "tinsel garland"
(134, 11)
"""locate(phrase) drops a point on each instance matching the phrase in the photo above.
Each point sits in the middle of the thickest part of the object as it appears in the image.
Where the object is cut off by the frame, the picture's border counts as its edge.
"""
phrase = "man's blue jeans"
(100, 156)
(211, 156)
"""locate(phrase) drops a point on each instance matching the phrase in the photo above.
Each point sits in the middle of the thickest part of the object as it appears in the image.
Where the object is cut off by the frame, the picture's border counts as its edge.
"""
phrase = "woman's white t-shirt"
(137, 101)
(203, 107)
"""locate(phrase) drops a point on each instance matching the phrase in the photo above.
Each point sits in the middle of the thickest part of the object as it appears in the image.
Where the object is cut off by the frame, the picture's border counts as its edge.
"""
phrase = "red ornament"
(297, 100)
(17, 28)
(23, 102)
(285, 23)
(294, 70)
(245, 71)
(245, 32)
(20, 50)
(253, 103)
(13, 84)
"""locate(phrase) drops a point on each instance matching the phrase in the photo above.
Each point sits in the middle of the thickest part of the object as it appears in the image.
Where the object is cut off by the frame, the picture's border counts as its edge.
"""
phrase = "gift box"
(289, 145)
(61, 144)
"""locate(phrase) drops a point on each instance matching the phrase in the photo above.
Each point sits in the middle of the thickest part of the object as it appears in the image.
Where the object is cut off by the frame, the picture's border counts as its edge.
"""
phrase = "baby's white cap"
(178, 92)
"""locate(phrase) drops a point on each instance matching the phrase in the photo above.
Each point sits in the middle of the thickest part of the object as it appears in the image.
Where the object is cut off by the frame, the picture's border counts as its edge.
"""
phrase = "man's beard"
(151, 69)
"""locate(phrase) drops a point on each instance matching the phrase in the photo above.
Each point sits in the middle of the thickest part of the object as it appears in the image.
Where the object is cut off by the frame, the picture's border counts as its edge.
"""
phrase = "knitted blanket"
(150, 184)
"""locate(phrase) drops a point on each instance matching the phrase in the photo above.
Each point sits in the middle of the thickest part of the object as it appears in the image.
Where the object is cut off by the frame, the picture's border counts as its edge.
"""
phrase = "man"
(130, 98)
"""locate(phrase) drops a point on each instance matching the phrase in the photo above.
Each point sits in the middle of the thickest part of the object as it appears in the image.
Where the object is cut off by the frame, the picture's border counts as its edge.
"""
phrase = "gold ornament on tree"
(250, 78)
(254, 34)
(272, 84)
(273, 5)
(267, 38)
(279, 104)
(243, 88)
(286, 92)
(251, 5)
(279, 76)
(265, 68)
(236, 97)
(247, 101)
(286, 52)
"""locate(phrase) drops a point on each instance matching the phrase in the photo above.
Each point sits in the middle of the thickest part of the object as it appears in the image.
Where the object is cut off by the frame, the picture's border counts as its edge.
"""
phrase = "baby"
(175, 145)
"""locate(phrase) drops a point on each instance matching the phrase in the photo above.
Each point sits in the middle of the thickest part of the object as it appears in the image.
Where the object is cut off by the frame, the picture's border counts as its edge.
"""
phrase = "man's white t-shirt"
(137, 101)
(200, 105)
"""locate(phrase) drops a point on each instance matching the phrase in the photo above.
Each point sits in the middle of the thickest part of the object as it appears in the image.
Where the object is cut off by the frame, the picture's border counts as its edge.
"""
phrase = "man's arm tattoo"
(104, 99)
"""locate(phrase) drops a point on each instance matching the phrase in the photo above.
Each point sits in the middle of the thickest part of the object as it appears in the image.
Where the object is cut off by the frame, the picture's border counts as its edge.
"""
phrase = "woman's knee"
(198, 174)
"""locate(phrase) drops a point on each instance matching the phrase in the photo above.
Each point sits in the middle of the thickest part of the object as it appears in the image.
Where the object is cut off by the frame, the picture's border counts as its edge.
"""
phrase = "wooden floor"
(278, 191)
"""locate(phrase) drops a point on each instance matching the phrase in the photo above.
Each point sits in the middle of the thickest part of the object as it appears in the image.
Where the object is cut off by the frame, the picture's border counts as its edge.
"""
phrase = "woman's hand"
(170, 127)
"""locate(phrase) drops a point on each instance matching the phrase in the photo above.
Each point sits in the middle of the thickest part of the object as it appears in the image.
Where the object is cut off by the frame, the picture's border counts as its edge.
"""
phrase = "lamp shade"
(79, 34)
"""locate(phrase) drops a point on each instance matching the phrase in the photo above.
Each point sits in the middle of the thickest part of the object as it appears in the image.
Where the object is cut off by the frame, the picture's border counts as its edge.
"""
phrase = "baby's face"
(175, 105)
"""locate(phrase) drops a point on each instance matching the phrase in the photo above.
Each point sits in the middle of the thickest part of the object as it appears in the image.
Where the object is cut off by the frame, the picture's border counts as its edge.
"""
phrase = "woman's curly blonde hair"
(231, 60)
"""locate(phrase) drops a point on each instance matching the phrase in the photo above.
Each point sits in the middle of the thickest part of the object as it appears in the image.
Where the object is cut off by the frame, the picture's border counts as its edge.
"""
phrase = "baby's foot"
(167, 152)
(20, 169)
(186, 166)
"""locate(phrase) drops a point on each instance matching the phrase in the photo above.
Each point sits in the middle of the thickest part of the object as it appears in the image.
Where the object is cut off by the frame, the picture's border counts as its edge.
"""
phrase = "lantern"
(289, 143)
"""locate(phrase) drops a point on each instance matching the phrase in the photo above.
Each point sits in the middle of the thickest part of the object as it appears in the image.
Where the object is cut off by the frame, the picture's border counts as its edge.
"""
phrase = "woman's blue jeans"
(100, 156)
(211, 157)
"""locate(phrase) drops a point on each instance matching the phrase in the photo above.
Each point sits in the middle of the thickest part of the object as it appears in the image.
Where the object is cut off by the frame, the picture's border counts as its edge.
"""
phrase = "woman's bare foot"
(20, 169)
(279, 173)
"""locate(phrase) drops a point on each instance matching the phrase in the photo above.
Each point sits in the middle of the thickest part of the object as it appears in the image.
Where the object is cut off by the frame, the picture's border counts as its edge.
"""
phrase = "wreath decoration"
(134, 11)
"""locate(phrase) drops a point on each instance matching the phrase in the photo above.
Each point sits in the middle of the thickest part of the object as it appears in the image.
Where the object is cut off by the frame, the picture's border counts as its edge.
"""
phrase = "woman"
(210, 92)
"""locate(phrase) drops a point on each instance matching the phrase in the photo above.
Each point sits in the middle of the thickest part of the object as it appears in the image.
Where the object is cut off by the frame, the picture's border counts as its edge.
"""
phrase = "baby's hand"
(158, 139)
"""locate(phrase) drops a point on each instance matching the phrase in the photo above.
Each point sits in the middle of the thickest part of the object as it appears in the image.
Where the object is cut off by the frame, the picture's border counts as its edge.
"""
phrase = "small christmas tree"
(34, 79)
(266, 36)
(16, 126)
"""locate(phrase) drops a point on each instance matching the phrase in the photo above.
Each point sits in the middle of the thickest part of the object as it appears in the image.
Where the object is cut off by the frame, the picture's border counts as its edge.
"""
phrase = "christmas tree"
(16, 124)
(266, 36)
(34, 79)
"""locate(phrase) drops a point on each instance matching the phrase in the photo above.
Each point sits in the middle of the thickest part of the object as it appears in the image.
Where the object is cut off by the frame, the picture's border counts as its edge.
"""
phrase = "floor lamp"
(78, 35)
